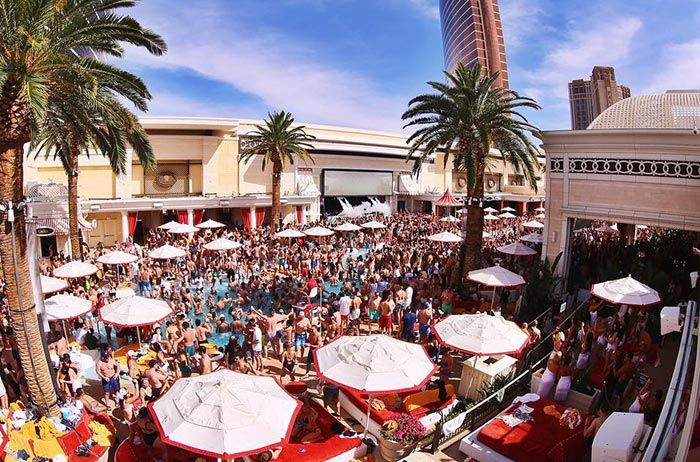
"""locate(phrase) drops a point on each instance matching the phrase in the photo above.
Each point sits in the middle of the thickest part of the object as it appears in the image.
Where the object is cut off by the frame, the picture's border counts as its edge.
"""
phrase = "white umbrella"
(50, 285)
(62, 307)
(183, 228)
(540, 209)
(290, 233)
(642, 227)
(507, 209)
(166, 252)
(135, 311)
(507, 215)
(117, 257)
(480, 334)
(210, 224)
(496, 276)
(490, 217)
(450, 219)
(226, 414)
(485, 234)
(540, 216)
(168, 225)
(318, 231)
(516, 248)
(348, 227)
(535, 238)
(627, 291)
(123, 292)
(75, 269)
(533, 224)
(373, 225)
(445, 236)
(222, 244)
(608, 229)
(490, 210)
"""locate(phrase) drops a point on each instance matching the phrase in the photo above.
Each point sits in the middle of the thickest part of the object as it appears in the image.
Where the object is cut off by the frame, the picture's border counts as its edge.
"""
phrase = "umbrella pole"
(369, 406)
(65, 332)
(493, 297)
(138, 336)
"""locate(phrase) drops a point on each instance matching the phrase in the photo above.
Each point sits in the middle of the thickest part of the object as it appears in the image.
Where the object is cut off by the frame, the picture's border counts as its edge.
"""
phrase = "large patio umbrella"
(135, 311)
(533, 224)
(540, 216)
(373, 225)
(51, 285)
(210, 224)
(516, 248)
(222, 244)
(507, 215)
(495, 276)
(290, 233)
(480, 334)
(490, 210)
(183, 228)
(318, 231)
(540, 209)
(117, 257)
(627, 291)
(485, 234)
(447, 200)
(607, 229)
(75, 269)
(168, 225)
(445, 236)
(489, 217)
(507, 209)
(374, 364)
(535, 238)
(450, 219)
(62, 307)
(226, 414)
(166, 252)
(348, 227)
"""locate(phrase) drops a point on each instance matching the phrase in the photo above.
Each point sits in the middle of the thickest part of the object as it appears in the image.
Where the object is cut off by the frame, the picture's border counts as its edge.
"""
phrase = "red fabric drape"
(132, 223)
(197, 216)
(299, 213)
(182, 216)
(245, 214)
(259, 216)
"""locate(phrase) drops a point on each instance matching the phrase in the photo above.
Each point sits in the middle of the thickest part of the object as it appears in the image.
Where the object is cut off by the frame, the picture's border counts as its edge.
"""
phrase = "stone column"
(190, 217)
(253, 218)
(125, 225)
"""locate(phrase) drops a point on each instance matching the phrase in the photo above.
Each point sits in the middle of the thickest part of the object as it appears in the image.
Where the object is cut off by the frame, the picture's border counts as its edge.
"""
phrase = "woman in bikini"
(289, 361)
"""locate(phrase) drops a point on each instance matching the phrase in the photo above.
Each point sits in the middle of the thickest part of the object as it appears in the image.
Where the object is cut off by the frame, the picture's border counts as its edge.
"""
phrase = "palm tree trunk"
(15, 129)
(276, 186)
(75, 247)
(470, 249)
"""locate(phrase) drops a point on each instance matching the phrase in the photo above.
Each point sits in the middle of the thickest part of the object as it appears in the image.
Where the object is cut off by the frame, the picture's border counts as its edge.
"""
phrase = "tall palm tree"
(39, 61)
(278, 142)
(466, 117)
(109, 130)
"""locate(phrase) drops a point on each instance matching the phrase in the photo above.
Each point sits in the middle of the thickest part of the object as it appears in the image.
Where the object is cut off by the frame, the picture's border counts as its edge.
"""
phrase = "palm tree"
(109, 129)
(39, 63)
(278, 143)
(468, 116)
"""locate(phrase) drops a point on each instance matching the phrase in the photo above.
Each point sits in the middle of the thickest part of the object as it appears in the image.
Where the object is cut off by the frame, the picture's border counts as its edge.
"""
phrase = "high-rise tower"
(471, 32)
(588, 98)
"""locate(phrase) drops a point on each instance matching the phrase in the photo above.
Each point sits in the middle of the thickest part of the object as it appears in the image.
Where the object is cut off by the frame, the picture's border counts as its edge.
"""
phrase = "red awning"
(448, 200)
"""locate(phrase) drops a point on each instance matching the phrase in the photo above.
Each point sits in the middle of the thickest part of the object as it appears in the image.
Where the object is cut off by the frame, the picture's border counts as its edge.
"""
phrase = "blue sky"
(358, 62)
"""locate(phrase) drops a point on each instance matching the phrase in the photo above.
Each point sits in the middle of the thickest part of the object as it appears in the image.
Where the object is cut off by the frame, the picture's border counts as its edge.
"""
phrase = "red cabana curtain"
(259, 216)
(300, 212)
(245, 214)
(182, 216)
(197, 216)
(132, 223)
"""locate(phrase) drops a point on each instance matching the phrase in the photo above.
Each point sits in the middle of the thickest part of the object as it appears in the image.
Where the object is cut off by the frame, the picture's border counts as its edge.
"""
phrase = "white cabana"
(374, 364)
(290, 233)
(627, 291)
(222, 244)
(226, 414)
(166, 252)
(345, 227)
(50, 285)
(117, 257)
(490, 217)
(533, 224)
(210, 224)
(481, 334)
(318, 231)
(445, 236)
(183, 228)
(450, 219)
(516, 248)
(534, 238)
(507, 215)
(168, 225)
(75, 269)
(507, 209)
(62, 307)
(373, 225)
(490, 210)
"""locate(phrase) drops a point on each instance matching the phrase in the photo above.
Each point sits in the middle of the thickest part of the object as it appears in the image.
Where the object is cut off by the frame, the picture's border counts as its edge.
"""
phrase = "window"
(516, 180)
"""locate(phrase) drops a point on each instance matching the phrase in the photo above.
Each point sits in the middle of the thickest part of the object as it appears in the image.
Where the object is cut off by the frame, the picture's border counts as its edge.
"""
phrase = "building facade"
(638, 163)
(472, 32)
(589, 98)
(199, 176)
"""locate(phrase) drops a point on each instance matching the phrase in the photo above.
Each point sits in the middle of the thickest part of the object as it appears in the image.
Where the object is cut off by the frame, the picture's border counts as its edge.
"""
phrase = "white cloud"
(278, 70)
(428, 8)
(679, 68)
(520, 18)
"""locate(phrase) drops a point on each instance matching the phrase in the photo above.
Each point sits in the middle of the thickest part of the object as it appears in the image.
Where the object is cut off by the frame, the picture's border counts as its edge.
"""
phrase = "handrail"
(691, 414)
(663, 433)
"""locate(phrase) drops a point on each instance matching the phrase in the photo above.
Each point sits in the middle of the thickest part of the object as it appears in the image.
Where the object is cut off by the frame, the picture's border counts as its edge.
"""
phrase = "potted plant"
(400, 436)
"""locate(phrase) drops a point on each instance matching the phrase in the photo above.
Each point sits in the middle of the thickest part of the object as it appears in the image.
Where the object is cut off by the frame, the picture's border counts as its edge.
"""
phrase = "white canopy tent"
(627, 291)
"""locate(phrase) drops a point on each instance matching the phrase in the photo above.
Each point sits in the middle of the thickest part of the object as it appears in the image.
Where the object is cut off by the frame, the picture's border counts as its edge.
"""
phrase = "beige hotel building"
(198, 176)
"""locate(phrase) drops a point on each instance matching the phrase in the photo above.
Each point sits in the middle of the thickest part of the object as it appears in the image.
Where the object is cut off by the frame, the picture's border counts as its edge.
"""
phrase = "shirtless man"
(107, 369)
(204, 361)
(301, 333)
(188, 338)
(593, 424)
(425, 317)
(157, 379)
(202, 330)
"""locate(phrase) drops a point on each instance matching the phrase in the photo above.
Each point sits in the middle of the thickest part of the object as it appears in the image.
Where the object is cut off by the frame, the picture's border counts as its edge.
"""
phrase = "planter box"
(576, 399)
